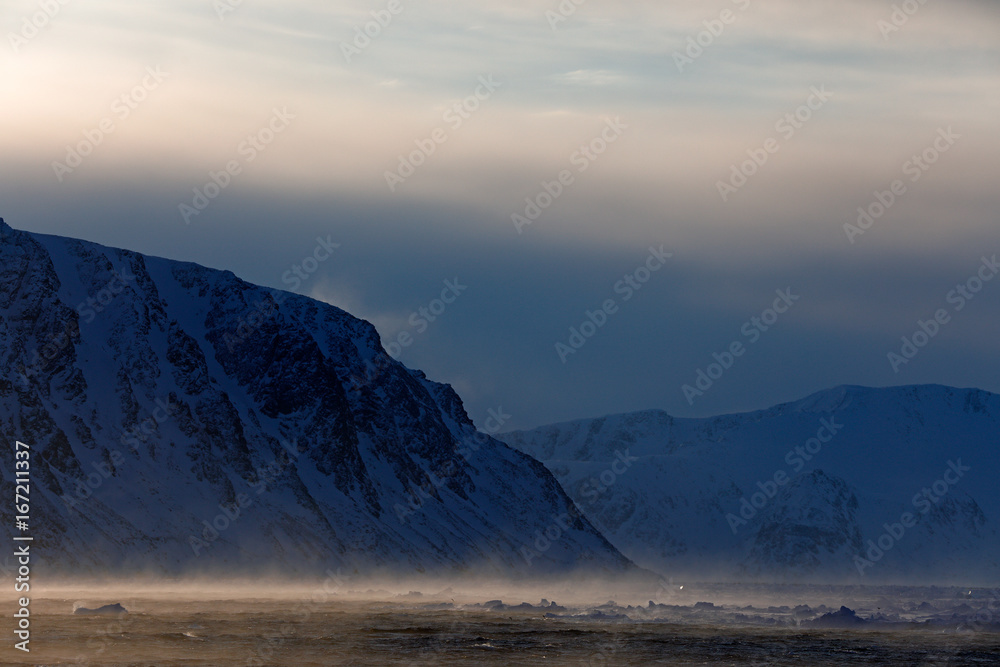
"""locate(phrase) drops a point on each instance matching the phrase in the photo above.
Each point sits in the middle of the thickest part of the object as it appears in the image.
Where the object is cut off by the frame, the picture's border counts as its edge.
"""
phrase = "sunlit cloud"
(357, 117)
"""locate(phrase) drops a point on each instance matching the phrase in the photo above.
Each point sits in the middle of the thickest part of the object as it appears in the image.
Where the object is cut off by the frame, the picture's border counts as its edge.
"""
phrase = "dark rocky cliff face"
(183, 419)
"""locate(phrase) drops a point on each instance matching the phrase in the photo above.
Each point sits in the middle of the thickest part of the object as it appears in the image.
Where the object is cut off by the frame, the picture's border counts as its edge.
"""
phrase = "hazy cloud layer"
(162, 95)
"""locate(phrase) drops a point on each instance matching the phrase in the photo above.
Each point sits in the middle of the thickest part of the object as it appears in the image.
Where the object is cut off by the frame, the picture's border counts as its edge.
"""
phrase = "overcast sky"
(115, 113)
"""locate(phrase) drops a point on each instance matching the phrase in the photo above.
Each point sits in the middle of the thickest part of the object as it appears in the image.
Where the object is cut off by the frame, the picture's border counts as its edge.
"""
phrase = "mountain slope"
(181, 419)
(818, 489)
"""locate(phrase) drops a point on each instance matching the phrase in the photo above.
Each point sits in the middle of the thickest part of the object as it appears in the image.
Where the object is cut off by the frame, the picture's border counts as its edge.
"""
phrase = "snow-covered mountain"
(851, 483)
(182, 419)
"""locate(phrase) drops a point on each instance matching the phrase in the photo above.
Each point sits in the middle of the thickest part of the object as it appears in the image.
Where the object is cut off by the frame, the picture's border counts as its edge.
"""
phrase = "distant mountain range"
(855, 484)
(181, 419)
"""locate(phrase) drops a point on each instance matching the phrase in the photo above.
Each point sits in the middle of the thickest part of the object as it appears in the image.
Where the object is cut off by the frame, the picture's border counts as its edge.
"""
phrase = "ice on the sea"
(108, 609)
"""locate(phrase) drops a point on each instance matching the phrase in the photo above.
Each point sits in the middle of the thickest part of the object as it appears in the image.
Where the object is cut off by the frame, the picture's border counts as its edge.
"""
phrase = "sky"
(703, 207)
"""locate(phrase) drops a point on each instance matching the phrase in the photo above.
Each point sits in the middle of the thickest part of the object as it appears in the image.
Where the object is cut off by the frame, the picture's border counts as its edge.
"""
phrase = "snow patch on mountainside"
(182, 419)
(817, 489)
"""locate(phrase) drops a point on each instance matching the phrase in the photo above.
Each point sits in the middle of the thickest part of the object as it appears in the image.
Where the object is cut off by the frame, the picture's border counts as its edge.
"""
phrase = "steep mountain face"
(181, 419)
(871, 485)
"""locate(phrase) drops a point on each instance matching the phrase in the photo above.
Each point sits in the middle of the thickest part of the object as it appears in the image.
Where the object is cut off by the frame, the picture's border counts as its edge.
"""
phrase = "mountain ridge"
(727, 494)
(182, 418)
(820, 393)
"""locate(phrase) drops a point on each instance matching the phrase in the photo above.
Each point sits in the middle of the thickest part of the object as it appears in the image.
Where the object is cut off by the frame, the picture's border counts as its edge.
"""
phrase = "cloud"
(585, 77)
(658, 183)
